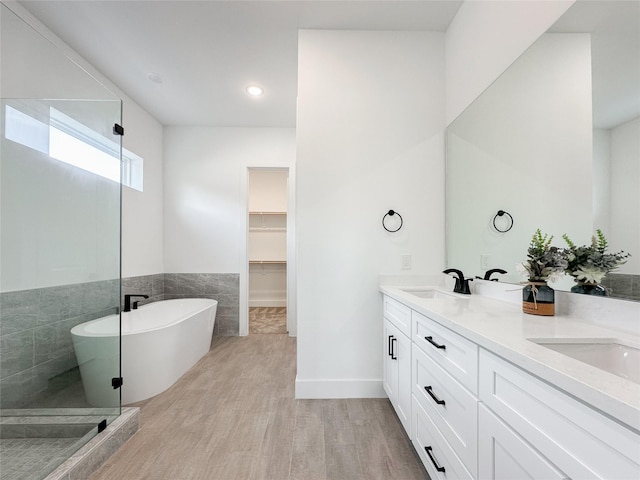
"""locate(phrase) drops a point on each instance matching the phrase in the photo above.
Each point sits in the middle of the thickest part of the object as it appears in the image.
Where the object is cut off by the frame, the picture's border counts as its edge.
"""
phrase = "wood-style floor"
(234, 417)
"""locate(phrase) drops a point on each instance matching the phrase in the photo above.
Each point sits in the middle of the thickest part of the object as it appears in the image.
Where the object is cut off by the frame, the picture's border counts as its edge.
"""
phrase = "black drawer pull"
(433, 460)
(393, 350)
(389, 346)
(430, 340)
(429, 390)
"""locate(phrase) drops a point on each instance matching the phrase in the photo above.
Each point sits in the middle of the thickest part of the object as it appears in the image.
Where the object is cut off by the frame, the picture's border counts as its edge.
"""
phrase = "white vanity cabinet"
(397, 359)
(471, 414)
(532, 423)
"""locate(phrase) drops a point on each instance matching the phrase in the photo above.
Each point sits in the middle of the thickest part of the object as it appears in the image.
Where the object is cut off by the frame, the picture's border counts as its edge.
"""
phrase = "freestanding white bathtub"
(160, 342)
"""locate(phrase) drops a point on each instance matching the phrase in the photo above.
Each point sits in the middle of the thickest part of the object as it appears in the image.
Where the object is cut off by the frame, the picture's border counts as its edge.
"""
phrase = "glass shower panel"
(60, 209)
(60, 267)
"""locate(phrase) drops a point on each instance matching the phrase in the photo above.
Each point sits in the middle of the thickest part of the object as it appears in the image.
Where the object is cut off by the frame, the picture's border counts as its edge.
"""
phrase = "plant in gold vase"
(589, 264)
(544, 263)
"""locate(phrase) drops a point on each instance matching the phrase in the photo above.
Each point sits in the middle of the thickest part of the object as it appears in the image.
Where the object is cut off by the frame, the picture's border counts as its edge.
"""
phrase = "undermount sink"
(431, 293)
(609, 355)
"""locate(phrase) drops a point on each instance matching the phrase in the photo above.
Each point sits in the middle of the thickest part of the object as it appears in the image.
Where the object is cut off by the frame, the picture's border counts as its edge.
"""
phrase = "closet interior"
(267, 250)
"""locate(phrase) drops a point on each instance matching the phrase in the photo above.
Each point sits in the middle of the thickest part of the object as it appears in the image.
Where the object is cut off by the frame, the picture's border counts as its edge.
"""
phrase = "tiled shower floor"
(34, 442)
(33, 458)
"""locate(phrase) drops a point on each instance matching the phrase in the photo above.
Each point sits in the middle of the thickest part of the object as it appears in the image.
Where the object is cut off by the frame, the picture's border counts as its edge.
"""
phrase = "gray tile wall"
(36, 351)
(223, 287)
(623, 285)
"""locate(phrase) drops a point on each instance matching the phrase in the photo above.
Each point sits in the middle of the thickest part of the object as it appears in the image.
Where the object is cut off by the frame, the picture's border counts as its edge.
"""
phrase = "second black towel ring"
(391, 213)
(500, 214)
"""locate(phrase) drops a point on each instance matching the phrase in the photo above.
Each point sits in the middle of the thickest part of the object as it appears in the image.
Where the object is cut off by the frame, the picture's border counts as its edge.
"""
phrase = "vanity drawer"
(398, 314)
(579, 440)
(454, 353)
(449, 405)
(436, 454)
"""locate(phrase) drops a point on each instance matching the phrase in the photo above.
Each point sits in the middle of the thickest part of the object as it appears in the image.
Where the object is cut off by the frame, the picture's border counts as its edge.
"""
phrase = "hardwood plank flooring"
(233, 416)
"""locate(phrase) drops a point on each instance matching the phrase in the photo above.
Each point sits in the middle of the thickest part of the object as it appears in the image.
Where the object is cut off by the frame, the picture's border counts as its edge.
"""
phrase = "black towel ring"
(500, 214)
(391, 213)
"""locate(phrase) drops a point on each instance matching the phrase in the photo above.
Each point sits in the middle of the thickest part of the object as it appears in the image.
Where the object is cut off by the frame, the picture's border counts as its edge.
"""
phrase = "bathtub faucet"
(127, 302)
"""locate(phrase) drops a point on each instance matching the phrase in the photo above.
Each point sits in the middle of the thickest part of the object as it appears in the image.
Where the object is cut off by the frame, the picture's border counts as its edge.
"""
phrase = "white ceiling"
(207, 52)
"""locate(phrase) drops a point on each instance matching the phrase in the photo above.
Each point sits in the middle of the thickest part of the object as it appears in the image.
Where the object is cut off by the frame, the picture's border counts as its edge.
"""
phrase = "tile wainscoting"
(625, 286)
(223, 287)
(37, 357)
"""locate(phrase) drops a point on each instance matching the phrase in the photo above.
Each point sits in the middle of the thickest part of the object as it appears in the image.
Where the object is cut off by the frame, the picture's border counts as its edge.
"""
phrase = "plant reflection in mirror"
(591, 263)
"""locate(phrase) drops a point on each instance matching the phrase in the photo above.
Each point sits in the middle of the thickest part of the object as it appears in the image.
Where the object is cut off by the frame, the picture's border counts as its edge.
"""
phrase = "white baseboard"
(339, 388)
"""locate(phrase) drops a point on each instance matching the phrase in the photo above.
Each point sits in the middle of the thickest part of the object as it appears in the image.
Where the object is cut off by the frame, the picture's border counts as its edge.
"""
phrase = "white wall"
(142, 212)
(601, 180)
(485, 37)
(268, 190)
(31, 71)
(370, 138)
(205, 206)
(625, 196)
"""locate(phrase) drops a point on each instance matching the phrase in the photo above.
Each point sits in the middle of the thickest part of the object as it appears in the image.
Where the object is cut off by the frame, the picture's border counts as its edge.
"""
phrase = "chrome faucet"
(462, 284)
(127, 302)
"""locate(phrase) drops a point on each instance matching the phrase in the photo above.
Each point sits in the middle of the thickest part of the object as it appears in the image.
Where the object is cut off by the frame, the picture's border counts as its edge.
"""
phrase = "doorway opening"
(267, 236)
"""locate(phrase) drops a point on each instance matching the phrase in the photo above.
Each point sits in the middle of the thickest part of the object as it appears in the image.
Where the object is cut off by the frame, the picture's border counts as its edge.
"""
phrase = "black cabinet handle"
(389, 346)
(393, 350)
(429, 390)
(430, 340)
(433, 460)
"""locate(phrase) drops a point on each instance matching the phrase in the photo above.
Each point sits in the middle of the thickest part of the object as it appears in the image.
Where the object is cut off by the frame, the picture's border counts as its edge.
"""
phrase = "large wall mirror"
(555, 143)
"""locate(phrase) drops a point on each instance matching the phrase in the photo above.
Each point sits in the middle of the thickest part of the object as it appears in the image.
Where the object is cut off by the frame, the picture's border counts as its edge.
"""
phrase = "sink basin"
(431, 293)
(609, 355)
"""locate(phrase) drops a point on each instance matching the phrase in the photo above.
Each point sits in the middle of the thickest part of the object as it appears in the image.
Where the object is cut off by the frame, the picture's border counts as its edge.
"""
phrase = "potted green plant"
(589, 264)
(544, 263)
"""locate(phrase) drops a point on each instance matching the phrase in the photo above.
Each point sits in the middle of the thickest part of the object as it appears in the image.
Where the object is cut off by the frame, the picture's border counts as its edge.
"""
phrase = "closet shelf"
(267, 229)
(267, 213)
(260, 262)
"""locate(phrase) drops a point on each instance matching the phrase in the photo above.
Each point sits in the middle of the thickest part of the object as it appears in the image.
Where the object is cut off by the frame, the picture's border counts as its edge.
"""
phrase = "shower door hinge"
(102, 425)
(118, 130)
(116, 382)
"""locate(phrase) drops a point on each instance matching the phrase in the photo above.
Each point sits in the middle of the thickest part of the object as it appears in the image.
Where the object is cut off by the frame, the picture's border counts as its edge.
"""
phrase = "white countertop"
(504, 329)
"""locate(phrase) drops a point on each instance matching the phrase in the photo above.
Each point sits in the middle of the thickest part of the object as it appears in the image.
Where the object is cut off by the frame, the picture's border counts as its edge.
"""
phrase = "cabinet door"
(577, 438)
(403, 406)
(390, 366)
(397, 372)
(505, 455)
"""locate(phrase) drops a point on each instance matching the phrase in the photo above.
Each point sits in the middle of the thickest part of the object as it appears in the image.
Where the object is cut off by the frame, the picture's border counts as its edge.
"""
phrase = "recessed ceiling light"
(255, 90)
(154, 77)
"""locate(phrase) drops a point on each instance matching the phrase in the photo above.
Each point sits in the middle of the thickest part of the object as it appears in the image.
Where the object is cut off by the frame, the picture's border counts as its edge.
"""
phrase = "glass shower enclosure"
(60, 209)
